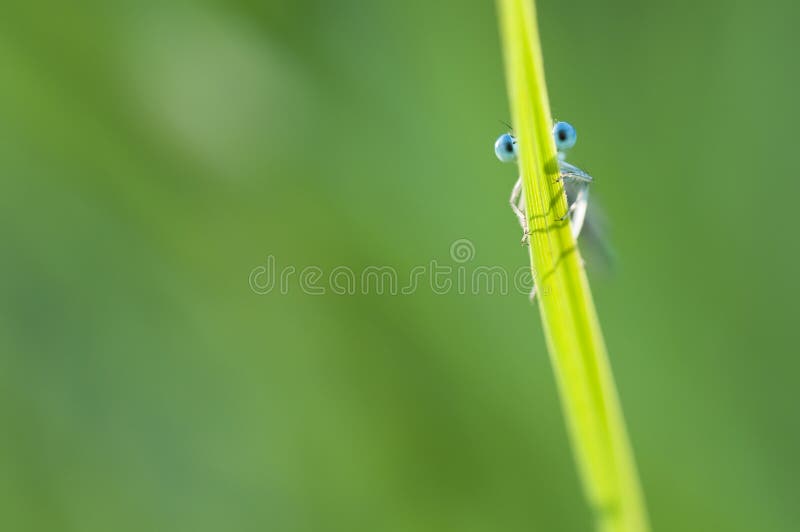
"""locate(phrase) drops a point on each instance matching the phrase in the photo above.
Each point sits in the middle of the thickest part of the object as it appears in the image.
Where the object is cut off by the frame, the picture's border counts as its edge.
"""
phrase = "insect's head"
(505, 147)
(564, 135)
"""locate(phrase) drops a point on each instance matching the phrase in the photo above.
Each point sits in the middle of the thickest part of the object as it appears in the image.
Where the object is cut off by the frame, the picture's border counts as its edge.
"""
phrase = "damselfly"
(575, 181)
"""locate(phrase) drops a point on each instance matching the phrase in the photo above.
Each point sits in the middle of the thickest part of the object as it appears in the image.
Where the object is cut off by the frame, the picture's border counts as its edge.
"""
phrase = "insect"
(576, 182)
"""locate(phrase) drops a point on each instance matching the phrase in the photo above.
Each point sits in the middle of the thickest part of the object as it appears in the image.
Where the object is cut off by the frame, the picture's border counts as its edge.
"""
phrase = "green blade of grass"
(572, 330)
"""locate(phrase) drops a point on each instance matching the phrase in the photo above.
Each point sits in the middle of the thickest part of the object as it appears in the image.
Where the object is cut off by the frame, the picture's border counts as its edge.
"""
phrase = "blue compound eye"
(505, 147)
(565, 135)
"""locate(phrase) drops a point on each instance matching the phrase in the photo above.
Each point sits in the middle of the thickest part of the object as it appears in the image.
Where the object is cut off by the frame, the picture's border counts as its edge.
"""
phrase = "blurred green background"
(152, 154)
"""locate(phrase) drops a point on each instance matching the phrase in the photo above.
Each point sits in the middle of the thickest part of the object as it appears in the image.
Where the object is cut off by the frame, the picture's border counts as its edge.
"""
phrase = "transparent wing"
(595, 246)
(576, 185)
(587, 219)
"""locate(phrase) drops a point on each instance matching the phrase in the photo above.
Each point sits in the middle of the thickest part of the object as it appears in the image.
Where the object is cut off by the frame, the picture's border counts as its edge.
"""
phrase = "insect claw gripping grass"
(572, 330)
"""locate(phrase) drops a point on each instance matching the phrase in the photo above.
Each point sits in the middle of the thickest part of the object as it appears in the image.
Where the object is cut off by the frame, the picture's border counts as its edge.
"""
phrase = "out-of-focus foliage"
(152, 154)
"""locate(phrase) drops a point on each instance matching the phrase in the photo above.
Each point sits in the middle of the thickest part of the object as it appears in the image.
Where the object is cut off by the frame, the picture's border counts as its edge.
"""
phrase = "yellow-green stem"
(572, 330)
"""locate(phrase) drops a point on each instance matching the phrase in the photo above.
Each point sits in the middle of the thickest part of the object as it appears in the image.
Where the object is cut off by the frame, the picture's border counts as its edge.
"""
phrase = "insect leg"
(578, 209)
(516, 194)
(577, 183)
(517, 202)
(526, 233)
